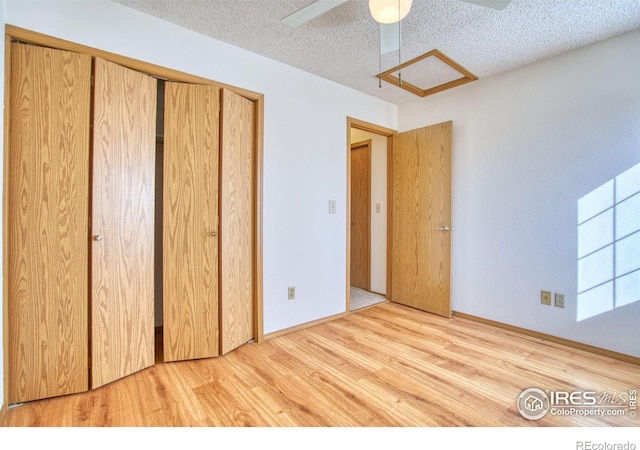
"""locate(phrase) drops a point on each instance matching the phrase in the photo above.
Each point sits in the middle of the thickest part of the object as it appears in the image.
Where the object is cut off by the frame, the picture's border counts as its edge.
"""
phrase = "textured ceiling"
(342, 44)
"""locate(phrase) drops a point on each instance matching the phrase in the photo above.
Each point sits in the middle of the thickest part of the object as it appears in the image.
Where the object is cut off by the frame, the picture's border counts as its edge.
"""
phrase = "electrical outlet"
(292, 292)
(559, 300)
(545, 297)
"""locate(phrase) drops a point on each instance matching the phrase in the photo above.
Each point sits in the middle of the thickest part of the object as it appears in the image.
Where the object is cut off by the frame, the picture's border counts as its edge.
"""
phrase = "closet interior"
(131, 209)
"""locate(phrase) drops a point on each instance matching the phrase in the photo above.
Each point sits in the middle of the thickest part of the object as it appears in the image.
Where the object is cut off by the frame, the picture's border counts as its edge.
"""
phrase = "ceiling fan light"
(389, 11)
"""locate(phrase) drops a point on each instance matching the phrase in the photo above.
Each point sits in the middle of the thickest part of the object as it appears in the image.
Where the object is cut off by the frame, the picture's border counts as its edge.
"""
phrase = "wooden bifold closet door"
(79, 316)
(237, 207)
(48, 207)
(190, 222)
(122, 259)
(81, 214)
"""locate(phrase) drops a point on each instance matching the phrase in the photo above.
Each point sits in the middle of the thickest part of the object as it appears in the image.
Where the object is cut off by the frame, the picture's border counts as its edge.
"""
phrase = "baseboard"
(303, 326)
(547, 337)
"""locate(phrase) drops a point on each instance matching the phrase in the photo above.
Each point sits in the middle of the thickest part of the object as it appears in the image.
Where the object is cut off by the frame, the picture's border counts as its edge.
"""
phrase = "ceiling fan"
(320, 7)
(389, 36)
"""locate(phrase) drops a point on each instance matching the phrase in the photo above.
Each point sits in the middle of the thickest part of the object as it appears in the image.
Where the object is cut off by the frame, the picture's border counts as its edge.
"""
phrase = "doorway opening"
(368, 214)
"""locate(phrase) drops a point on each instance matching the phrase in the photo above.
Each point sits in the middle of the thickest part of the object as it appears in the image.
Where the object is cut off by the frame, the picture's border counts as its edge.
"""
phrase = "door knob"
(97, 237)
(213, 233)
(443, 228)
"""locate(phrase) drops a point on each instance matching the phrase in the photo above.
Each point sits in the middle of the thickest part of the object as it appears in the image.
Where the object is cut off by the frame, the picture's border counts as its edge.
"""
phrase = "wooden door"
(122, 260)
(421, 254)
(237, 205)
(360, 202)
(190, 222)
(48, 207)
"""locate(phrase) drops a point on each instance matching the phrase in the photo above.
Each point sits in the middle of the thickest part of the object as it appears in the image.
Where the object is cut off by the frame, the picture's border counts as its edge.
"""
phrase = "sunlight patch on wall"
(609, 246)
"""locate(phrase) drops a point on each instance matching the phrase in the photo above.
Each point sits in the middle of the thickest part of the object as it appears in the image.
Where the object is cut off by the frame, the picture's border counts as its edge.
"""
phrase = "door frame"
(12, 32)
(390, 134)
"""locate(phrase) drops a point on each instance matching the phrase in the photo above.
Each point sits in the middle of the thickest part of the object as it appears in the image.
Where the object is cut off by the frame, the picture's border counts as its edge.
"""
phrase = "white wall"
(527, 145)
(378, 195)
(304, 141)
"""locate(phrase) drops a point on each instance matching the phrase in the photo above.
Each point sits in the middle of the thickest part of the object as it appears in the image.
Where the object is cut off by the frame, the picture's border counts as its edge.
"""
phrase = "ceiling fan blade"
(495, 4)
(311, 12)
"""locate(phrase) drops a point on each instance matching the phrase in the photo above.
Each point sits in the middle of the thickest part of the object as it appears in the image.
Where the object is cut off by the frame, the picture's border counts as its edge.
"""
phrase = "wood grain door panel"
(122, 260)
(421, 256)
(360, 202)
(237, 206)
(190, 223)
(48, 207)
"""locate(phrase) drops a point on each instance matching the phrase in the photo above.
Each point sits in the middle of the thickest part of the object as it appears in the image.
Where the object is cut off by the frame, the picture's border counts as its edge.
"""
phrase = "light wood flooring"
(384, 366)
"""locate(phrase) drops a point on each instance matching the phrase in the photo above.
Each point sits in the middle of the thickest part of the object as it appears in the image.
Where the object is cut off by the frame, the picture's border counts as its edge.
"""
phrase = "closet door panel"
(237, 208)
(190, 222)
(122, 262)
(48, 211)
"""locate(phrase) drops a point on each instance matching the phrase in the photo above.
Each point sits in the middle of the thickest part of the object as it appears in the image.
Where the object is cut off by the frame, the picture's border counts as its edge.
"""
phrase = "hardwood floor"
(384, 366)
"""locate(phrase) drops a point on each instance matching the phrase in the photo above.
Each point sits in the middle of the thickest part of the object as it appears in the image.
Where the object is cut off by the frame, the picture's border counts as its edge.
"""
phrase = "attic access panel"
(434, 71)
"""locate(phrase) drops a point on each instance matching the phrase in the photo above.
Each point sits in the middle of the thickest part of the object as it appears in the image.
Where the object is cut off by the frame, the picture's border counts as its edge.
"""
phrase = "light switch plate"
(332, 206)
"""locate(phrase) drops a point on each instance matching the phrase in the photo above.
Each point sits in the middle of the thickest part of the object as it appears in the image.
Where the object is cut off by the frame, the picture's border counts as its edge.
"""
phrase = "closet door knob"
(97, 237)
(214, 234)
